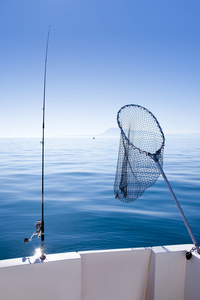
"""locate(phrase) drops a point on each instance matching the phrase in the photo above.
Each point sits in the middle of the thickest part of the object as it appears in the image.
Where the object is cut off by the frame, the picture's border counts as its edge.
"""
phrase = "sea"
(80, 209)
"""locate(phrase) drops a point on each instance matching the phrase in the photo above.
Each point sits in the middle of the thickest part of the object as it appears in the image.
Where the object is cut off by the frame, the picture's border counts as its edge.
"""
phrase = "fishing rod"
(43, 127)
(40, 224)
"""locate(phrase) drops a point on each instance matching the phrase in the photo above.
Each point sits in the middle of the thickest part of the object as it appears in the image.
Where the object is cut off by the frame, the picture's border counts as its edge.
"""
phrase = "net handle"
(155, 158)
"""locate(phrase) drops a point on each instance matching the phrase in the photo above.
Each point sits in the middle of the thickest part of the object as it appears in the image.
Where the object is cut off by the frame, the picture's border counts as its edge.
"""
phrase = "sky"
(102, 55)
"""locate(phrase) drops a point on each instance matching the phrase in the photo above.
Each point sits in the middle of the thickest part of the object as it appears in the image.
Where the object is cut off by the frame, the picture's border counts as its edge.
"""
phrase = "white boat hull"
(157, 273)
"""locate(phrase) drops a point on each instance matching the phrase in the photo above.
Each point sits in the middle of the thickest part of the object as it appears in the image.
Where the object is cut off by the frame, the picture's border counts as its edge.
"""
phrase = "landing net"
(141, 140)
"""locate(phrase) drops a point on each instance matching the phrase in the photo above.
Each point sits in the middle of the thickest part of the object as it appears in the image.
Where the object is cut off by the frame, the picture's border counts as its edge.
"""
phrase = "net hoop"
(156, 121)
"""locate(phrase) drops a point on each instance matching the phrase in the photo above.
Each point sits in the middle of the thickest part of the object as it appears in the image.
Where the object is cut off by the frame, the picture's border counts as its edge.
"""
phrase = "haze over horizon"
(102, 56)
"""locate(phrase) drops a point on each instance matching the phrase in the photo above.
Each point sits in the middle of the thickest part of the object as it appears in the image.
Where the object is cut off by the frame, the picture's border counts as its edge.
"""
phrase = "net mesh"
(141, 138)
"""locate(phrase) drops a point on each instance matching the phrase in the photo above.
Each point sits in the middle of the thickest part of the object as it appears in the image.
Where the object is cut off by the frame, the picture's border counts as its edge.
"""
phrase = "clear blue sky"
(102, 55)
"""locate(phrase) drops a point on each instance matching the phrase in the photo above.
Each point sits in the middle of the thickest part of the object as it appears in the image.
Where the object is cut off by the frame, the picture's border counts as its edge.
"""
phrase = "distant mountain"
(111, 132)
(115, 132)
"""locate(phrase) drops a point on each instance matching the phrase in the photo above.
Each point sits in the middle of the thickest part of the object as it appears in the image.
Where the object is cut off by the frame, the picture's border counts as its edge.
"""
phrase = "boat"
(157, 273)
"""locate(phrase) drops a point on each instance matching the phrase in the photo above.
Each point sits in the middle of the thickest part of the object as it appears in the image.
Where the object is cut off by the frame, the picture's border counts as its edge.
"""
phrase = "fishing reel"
(38, 232)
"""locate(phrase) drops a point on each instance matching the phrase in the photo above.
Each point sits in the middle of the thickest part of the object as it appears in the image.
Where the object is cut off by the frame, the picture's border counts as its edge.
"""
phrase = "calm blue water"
(81, 212)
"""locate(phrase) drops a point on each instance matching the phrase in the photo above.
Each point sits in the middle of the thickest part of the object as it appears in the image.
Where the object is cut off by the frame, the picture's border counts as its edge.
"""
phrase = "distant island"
(111, 132)
(115, 132)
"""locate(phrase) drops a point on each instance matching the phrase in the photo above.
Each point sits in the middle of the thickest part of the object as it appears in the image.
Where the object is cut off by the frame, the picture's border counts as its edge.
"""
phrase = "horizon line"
(93, 135)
